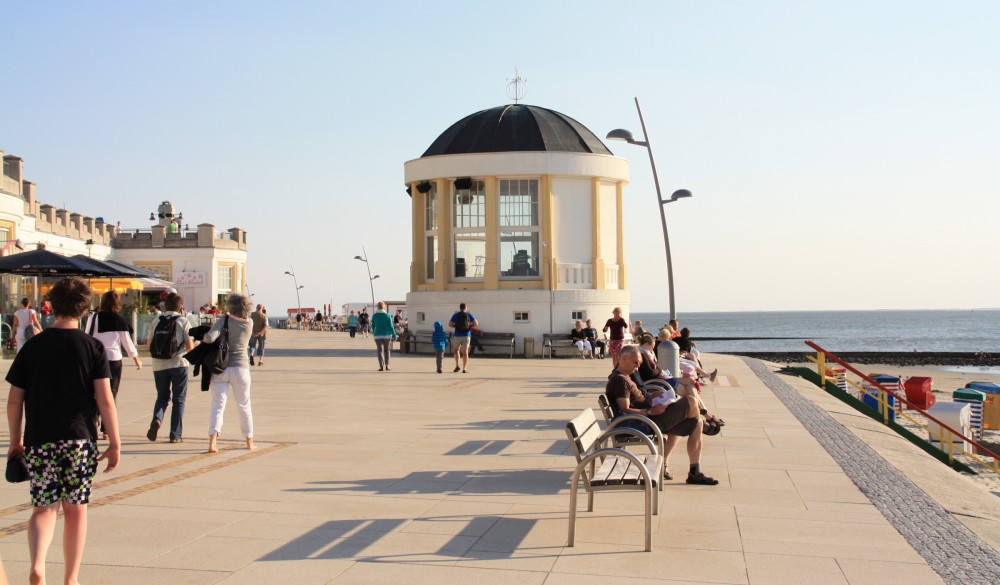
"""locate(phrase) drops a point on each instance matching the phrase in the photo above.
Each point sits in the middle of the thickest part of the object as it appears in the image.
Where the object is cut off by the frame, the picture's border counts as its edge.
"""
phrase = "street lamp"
(371, 279)
(297, 289)
(621, 134)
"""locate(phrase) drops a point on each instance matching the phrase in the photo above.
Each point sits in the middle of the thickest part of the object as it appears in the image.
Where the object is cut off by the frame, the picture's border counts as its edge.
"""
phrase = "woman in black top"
(617, 325)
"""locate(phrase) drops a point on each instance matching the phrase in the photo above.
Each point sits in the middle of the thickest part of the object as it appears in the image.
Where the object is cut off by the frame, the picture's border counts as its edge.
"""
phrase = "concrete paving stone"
(662, 562)
(503, 561)
(350, 506)
(18, 572)
(833, 512)
(417, 574)
(769, 479)
(399, 547)
(213, 553)
(839, 550)
(776, 569)
(875, 572)
(569, 579)
(810, 531)
(311, 572)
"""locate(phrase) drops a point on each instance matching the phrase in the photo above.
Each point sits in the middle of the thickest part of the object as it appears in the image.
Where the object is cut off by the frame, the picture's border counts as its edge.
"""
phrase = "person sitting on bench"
(579, 337)
(680, 418)
(592, 338)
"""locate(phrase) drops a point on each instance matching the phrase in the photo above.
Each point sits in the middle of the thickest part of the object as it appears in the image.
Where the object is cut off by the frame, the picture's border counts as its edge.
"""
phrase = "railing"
(912, 413)
(611, 276)
(576, 276)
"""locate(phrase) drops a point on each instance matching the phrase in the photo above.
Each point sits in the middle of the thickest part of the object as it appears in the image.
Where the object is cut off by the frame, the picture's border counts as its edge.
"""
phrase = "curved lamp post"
(371, 279)
(297, 289)
(621, 134)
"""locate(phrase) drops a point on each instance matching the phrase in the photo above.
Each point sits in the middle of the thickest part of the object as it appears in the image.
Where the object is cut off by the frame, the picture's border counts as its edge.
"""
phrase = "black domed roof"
(516, 128)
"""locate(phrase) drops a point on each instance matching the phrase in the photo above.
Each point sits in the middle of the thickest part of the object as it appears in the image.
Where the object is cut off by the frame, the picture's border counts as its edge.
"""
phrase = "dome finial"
(515, 87)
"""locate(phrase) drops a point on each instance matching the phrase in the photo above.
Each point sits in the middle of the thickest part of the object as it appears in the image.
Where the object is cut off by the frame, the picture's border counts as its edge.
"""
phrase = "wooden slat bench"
(619, 470)
(557, 341)
(420, 342)
(496, 339)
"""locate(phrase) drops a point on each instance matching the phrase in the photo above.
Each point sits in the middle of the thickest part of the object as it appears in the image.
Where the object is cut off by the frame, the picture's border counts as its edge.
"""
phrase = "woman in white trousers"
(236, 377)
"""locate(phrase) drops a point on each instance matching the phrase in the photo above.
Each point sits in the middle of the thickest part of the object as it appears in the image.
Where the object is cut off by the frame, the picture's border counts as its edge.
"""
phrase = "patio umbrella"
(41, 262)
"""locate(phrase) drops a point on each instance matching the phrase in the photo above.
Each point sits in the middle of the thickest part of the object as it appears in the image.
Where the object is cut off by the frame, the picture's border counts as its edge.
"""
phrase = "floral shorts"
(615, 346)
(62, 471)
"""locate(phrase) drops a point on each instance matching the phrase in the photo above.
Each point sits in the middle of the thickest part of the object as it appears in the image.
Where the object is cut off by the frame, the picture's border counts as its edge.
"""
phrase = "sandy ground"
(945, 380)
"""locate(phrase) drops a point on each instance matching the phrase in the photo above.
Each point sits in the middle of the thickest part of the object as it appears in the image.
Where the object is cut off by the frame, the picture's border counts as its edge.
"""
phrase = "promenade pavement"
(410, 476)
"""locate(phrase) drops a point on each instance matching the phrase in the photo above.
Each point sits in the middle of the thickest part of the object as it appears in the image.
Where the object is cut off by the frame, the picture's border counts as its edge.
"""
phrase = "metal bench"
(619, 470)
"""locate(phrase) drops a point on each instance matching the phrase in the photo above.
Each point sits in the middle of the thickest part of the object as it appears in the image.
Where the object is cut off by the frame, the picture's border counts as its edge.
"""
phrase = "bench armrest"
(656, 430)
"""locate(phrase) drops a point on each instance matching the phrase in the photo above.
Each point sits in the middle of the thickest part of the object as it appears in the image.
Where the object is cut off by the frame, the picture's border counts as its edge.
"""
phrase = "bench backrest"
(606, 410)
(496, 335)
(583, 432)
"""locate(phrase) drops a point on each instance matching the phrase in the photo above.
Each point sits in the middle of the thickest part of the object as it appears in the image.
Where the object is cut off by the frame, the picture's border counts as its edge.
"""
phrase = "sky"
(842, 155)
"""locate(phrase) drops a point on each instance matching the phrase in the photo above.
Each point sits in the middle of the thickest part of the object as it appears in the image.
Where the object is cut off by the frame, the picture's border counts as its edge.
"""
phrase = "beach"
(945, 380)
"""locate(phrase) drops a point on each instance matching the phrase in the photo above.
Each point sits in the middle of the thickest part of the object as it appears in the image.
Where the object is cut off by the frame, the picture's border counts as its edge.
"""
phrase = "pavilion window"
(519, 229)
(431, 233)
(469, 228)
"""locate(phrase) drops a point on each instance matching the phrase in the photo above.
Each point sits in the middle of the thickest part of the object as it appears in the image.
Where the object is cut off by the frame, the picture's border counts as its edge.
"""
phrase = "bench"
(553, 341)
(629, 440)
(422, 340)
(496, 339)
(619, 470)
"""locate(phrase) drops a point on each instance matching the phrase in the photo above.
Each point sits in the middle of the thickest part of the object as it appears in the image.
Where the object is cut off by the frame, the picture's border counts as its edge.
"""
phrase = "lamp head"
(360, 258)
(289, 273)
(680, 194)
(621, 134)
(374, 277)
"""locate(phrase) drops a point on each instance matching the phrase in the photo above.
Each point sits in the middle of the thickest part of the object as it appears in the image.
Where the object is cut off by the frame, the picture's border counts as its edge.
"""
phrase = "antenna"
(515, 87)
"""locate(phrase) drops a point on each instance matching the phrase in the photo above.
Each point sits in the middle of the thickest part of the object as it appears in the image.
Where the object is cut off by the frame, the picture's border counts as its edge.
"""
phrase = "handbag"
(17, 470)
(220, 357)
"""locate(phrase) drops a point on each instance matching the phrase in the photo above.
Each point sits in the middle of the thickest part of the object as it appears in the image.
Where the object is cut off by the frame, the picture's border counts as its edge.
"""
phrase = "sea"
(976, 330)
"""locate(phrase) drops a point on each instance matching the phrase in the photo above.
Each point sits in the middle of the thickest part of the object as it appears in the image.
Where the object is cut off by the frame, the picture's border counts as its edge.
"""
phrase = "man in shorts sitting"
(59, 382)
(680, 418)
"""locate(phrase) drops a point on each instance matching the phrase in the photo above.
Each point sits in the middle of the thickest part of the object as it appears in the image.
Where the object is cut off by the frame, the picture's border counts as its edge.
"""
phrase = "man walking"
(462, 322)
(258, 335)
(60, 381)
(167, 344)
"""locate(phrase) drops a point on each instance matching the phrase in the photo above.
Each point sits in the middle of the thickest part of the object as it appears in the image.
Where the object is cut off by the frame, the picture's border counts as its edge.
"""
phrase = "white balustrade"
(579, 276)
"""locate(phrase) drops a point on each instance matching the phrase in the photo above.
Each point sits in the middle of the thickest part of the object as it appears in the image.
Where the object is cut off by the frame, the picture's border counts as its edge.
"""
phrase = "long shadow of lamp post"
(297, 289)
(371, 279)
(621, 134)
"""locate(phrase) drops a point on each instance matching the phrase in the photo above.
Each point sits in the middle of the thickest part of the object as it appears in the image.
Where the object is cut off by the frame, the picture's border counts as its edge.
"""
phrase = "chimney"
(28, 192)
(13, 167)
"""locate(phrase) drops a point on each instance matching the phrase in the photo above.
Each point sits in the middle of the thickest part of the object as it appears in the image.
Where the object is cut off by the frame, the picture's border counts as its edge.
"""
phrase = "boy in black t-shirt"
(59, 382)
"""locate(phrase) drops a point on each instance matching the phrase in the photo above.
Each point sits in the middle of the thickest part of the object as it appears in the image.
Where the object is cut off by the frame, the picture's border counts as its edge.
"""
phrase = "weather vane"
(515, 87)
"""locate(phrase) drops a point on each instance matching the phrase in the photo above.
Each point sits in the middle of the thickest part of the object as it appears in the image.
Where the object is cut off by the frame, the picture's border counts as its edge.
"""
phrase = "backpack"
(462, 322)
(164, 345)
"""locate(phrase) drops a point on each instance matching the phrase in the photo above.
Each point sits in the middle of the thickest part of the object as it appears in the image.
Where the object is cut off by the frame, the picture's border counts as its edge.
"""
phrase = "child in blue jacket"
(440, 342)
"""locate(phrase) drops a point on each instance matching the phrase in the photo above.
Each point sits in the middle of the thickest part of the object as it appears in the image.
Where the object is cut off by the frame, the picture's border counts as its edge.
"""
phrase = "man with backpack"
(167, 343)
(462, 322)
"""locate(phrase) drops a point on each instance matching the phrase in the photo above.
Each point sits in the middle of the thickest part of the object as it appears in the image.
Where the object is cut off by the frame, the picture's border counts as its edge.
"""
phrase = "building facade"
(204, 265)
(517, 211)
